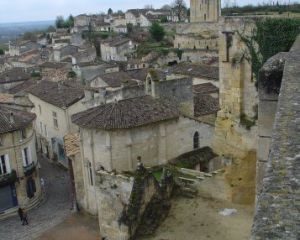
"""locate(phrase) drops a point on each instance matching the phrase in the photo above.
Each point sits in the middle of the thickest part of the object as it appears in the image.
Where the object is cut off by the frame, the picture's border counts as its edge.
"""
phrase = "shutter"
(7, 163)
(23, 157)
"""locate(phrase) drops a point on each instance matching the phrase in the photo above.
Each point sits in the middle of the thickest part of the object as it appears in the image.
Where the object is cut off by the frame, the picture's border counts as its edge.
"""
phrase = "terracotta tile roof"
(205, 104)
(56, 94)
(205, 88)
(128, 113)
(72, 141)
(53, 65)
(114, 42)
(6, 98)
(196, 70)
(12, 119)
(14, 75)
(139, 74)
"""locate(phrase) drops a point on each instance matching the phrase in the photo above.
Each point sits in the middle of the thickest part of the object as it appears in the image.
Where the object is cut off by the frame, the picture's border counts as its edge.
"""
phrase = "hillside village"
(142, 106)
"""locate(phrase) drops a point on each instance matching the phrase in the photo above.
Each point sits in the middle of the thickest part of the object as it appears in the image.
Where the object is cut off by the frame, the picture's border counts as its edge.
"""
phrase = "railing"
(8, 179)
(29, 169)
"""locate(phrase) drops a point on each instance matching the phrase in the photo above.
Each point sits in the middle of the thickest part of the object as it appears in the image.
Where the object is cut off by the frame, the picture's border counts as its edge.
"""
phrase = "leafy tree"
(110, 11)
(51, 29)
(70, 22)
(1, 51)
(60, 22)
(157, 31)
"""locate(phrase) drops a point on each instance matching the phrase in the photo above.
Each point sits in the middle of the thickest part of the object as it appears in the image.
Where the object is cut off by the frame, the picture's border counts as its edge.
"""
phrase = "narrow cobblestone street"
(53, 210)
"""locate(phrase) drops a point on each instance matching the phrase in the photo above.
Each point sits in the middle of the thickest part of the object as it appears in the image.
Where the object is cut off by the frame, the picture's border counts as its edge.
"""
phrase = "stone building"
(19, 175)
(116, 49)
(13, 77)
(54, 103)
(205, 10)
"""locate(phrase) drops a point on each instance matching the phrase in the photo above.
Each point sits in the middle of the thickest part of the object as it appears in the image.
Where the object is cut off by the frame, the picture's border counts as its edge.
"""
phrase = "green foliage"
(147, 47)
(263, 43)
(247, 122)
(1, 51)
(179, 53)
(51, 29)
(30, 36)
(157, 32)
(72, 74)
(35, 75)
(109, 11)
(164, 19)
(62, 23)
(129, 28)
(260, 9)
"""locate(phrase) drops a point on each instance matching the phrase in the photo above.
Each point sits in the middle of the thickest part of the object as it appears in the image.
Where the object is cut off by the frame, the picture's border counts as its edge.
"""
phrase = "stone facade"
(19, 154)
(205, 10)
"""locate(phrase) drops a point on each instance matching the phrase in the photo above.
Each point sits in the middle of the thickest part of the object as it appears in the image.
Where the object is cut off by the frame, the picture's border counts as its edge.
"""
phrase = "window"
(46, 133)
(22, 133)
(90, 173)
(4, 165)
(40, 109)
(196, 140)
(31, 187)
(55, 122)
(26, 157)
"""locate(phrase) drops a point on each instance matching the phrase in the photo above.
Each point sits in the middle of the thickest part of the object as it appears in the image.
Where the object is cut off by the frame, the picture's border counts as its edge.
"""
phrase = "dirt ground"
(199, 219)
(75, 227)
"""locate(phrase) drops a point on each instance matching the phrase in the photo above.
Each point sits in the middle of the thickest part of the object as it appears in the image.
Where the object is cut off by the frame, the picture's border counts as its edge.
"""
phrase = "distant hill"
(10, 31)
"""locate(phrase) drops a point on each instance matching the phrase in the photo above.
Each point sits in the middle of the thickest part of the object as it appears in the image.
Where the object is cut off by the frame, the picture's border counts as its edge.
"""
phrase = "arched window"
(196, 140)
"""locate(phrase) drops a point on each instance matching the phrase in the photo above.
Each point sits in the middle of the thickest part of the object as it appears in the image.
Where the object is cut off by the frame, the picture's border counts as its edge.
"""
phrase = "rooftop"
(13, 120)
(125, 114)
(14, 75)
(116, 79)
(196, 70)
(205, 88)
(57, 94)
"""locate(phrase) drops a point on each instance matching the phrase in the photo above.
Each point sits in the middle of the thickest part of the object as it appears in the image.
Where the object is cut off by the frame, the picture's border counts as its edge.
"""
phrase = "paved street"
(52, 211)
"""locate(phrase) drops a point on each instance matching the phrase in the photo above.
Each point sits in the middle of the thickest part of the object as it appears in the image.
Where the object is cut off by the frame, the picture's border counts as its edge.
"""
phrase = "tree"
(50, 29)
(179, 7)
(109, 11)
(59, 22)
(70, 22)
(30, 36)
(129, 28)
(166, 7)
(157, 31)
(148, 6)
(1, 51)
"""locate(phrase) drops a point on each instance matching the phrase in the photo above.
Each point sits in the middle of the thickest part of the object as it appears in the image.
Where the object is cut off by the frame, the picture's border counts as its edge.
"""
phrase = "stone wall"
(277, 212)
(238, 100)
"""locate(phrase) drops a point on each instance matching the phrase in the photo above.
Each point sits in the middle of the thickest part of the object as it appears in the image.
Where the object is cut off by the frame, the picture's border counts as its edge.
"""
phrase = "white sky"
(35, 10)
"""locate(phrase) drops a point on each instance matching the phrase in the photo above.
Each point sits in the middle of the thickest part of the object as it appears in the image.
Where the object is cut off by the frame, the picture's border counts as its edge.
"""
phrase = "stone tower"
(205, 10)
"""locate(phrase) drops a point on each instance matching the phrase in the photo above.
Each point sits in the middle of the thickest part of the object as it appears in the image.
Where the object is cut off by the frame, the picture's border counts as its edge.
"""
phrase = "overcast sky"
(33, 10)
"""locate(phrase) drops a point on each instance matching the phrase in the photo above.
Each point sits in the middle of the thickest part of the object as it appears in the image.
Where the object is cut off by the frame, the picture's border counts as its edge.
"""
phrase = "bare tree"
(148, 6)
(179, 7)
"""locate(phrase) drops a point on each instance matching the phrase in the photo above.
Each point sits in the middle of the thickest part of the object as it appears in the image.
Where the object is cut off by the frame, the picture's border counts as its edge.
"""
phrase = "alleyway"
(52, 211)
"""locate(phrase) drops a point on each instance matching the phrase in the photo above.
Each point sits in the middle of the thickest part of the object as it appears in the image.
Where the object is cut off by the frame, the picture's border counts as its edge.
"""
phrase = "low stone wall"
(278, 214)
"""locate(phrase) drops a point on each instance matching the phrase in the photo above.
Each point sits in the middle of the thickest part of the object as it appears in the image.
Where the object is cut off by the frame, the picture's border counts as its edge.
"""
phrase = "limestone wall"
(277, 212)
(238, 100)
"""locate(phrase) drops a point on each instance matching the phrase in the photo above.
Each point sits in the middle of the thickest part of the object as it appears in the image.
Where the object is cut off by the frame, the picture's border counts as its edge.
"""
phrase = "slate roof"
(205, 104)
(205, 88)
(125, 114)
(57, 94)
(14, 75)
(116, 79)
(22, 86)
(196, 70)
(12, 119)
